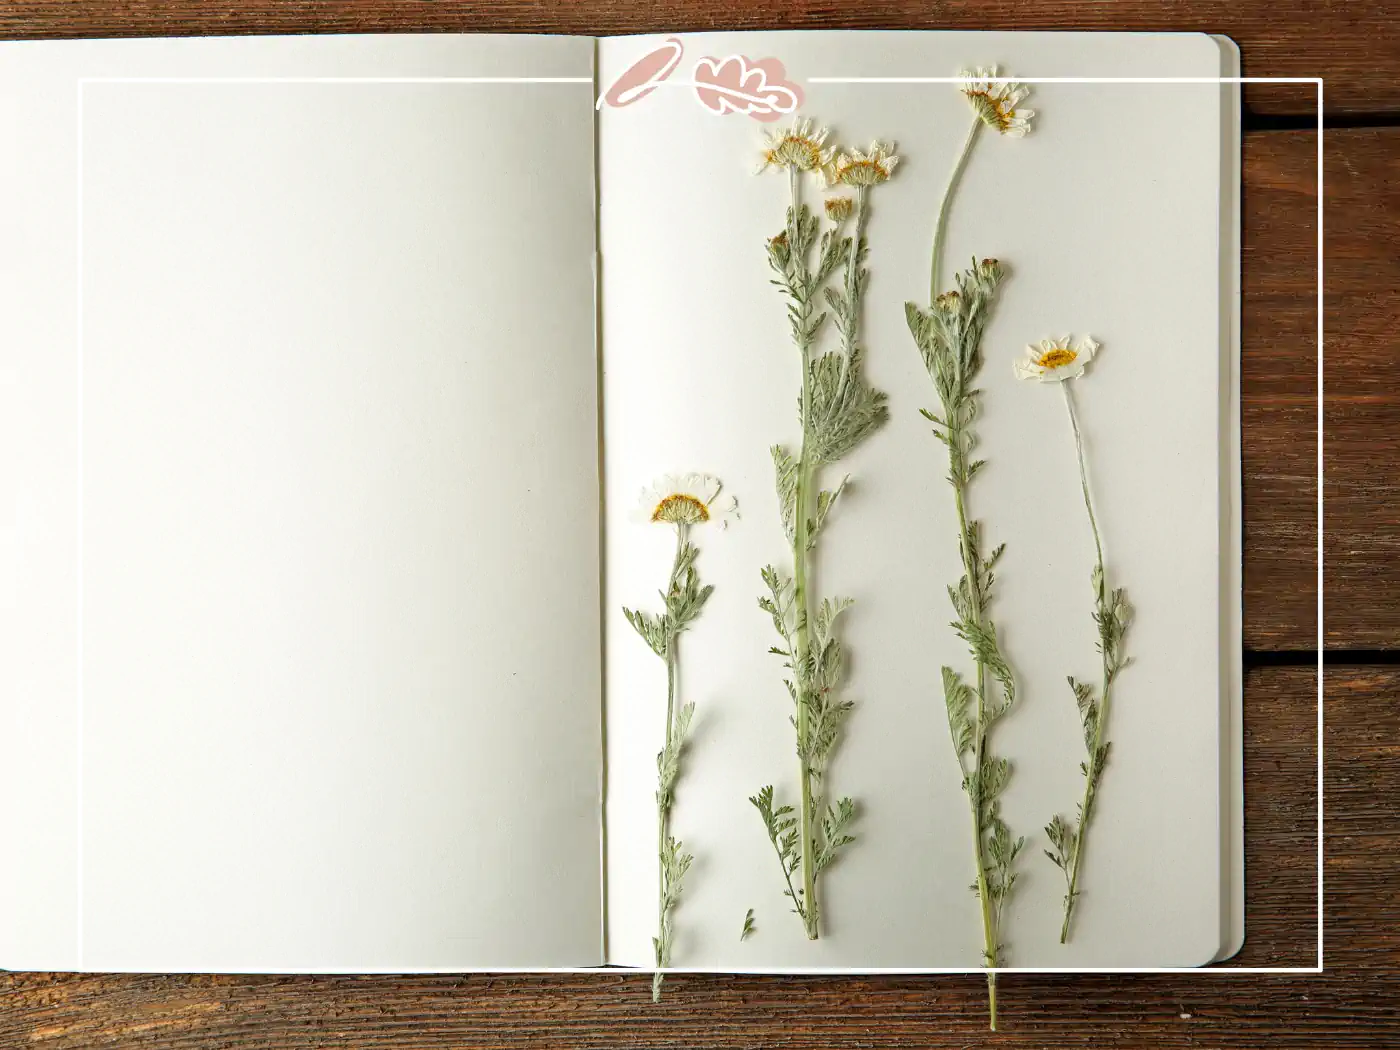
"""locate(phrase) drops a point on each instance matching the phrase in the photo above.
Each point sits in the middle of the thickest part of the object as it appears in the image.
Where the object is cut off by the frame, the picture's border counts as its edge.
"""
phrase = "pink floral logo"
(759, 88)
(738, 85)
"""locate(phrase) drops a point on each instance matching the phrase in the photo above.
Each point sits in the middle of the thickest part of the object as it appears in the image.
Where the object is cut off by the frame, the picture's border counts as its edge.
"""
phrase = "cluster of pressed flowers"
(820, 272)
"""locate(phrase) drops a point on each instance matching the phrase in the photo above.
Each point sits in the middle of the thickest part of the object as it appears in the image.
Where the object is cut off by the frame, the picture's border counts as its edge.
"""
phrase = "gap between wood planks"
(1355, 658)
(1308, 121)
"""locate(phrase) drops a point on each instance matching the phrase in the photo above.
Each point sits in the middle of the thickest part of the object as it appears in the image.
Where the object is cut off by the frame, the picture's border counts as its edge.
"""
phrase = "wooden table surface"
(1355, 44)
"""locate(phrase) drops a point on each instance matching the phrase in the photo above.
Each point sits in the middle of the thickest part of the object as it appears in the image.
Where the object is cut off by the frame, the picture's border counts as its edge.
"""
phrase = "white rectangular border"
(1317, 81)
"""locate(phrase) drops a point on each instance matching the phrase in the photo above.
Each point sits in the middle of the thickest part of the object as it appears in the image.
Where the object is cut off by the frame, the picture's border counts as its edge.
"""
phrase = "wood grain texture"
(1354, 44)
(1279, 389)
(1348, 1007)
(1362, 418)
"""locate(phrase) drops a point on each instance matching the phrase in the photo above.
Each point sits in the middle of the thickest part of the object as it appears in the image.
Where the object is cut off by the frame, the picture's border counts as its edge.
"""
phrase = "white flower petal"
(647, 501)
(723, 510)
(1027, 369)
(695, 488)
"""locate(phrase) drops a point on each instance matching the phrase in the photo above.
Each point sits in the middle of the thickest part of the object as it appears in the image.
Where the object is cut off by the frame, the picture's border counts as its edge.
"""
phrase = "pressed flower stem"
(663, 803)
(800, 600)
(1083, 472)
(941, 228)
(989, 919)
(1092, 765)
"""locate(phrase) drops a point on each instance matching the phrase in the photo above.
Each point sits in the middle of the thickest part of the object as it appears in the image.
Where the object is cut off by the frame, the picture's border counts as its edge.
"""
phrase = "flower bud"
(838, 209)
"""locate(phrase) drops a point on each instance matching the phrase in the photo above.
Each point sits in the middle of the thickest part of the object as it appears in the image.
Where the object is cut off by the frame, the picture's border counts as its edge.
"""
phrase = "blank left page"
(300, 533)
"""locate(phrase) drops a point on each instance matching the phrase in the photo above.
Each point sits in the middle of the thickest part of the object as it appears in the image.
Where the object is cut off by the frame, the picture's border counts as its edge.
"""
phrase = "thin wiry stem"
(990, 935)
(802, 602)
(1095, 743)
(663, 798)
(1112, 614)
(1083, 472)
(940, 229)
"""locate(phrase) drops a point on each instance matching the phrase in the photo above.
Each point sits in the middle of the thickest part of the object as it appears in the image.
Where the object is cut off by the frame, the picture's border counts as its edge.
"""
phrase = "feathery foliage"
(821, 275)
(949, 339)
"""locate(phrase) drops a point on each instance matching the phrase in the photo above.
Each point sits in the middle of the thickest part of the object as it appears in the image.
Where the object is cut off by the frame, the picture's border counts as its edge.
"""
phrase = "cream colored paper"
(1107, 217)
(302, 651)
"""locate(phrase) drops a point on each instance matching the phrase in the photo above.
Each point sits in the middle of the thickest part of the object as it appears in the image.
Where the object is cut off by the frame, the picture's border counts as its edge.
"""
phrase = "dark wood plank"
(1279, 384)
(1352, 1005)
(1362, 419)
(1355, 45)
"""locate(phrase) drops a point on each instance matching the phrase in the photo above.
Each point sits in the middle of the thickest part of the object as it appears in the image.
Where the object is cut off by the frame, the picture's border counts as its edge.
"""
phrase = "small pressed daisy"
(681, 500)
(686, 499)
(863, 169)
(995, 103)
(838, 209)
(1055, 360)
(798, 147)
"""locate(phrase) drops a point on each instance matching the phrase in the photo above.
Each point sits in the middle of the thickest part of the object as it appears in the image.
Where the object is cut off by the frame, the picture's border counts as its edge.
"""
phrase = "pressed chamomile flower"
(949, 335)
(682, 501)
(799, 147)
(1055, 360)
(686, 499)
(993, 106)
(995, 103)
(863, 169)
(822, 275)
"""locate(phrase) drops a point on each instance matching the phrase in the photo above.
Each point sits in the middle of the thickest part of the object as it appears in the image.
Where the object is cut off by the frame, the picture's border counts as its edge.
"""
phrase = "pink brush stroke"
(738, 84)
(640, 78)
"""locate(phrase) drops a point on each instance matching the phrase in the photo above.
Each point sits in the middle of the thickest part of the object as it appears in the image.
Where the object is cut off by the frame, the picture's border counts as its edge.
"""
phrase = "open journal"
(331, 370)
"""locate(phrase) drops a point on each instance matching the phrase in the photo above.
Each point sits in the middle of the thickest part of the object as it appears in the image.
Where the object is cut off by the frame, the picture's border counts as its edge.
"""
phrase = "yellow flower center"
(993, 111)
(681, 509)
(795, 151)
(1056, 357)
(861, 173)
